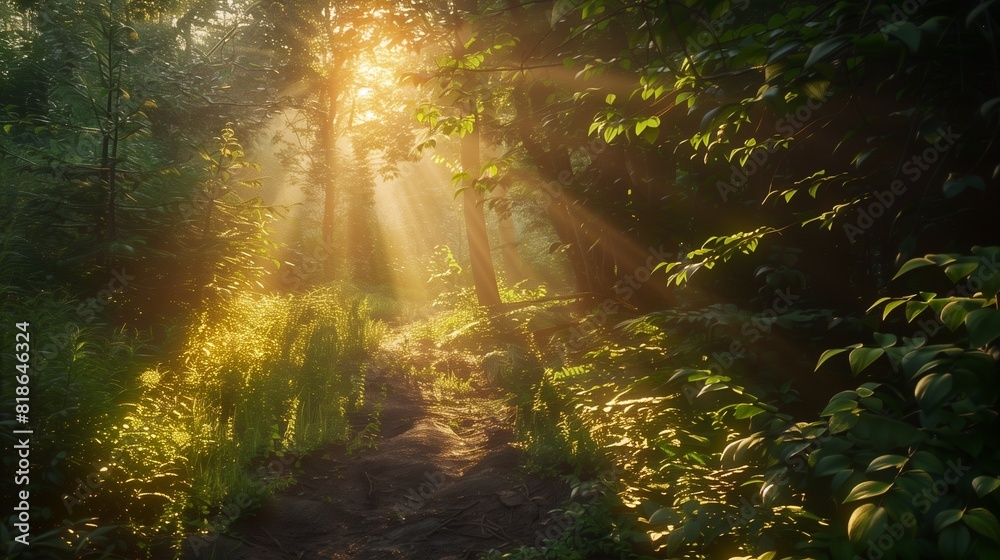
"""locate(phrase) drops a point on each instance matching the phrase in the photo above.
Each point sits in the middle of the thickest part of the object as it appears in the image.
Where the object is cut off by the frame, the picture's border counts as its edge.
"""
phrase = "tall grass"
(81, 372)
(169, 447)
(262, 376)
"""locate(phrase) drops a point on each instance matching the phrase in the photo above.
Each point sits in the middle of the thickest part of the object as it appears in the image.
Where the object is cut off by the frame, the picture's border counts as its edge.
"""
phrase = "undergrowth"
(723, 455)
(262, 381)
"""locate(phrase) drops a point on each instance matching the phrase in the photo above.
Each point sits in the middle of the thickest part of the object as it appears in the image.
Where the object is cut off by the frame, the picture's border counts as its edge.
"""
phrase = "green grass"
(259, 378)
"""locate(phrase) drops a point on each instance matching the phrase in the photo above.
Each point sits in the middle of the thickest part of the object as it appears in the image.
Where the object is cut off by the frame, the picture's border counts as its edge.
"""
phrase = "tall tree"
(483, 273)
(327, 44)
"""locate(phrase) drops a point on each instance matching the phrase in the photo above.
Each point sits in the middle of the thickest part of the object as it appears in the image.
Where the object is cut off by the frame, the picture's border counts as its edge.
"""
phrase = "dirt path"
(444, 482)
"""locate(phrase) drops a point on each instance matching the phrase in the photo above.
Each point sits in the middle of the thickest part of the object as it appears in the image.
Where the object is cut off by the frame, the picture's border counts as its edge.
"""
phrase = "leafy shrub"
(903, 464)
(81, 377)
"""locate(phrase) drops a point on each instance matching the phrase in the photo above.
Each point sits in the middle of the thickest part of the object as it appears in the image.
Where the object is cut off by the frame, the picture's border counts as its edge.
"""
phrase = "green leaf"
(861, 358)
(947, 517)
(955, 187)
(864, 391)
(862, 156)
(775, 99)
(662, 516)
(953, 314)
(941, 259)
(675, 539)
(735, 452)
(953, 542)
(868, 489)
(719, 113)
(907, 33)
(985, 109)
(825, 49)
(877, 303)
(842, 421)
(829, 354)
(839, 405)
(783, 50)
(559, 10)
(984, 485)
(977, 11)
(983, 326)
(744, 410)
(609, 133)
(840, 479)
(873, 404)
(867, 522)
(983, 522)
(886, 462)
(651, 122)
(884, 432)
(890, 306)
(914, 308)
(932, 389)
(927, 461)
(913, 264)
(650, 135)
(831, 464)
(885, 340)
(816, 89)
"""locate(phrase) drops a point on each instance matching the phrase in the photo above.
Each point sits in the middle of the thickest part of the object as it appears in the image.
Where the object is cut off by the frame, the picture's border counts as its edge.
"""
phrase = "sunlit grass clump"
(261, 377)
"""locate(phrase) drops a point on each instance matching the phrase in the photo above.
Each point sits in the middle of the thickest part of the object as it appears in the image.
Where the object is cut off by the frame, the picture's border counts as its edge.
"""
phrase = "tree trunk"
(508, 240)
(483, 273)
(328, 155)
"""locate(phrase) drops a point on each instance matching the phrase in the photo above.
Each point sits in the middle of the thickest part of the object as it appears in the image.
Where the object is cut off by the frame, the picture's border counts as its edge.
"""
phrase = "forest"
(500, 279)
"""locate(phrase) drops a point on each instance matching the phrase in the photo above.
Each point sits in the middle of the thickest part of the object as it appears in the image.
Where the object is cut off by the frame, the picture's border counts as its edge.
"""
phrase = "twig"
(276, 541)
(448, 519)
